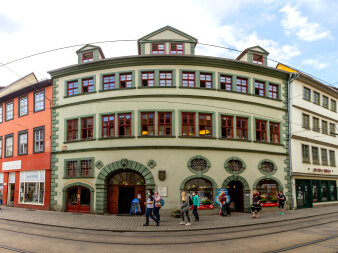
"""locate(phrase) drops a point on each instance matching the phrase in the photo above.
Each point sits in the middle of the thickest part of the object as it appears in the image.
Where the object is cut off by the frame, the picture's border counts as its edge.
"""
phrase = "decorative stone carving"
(151, 164)
(99, 164)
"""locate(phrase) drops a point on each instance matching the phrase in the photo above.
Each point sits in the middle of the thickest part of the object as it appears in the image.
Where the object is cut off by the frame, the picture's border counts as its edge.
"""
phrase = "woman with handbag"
(185, 206)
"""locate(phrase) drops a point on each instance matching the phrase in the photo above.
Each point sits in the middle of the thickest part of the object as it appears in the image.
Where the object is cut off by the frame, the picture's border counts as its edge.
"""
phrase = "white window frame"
(41, 179)
(9, 113)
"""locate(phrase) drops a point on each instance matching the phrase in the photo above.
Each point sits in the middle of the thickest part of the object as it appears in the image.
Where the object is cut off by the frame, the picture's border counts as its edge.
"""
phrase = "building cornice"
(313, 175)
(315, 113)
(318, 85)
(296, 137)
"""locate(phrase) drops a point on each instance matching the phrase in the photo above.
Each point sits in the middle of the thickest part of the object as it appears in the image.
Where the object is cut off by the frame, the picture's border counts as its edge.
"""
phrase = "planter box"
(269, 204)
(201, 207)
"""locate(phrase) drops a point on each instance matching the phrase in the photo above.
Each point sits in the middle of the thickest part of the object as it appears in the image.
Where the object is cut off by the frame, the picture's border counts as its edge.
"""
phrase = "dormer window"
(158, 48)
(258, 59)
(88, 57)
(176, 48)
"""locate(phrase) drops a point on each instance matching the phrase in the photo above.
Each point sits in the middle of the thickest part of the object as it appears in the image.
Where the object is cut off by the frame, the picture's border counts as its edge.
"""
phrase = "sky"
(300, 33)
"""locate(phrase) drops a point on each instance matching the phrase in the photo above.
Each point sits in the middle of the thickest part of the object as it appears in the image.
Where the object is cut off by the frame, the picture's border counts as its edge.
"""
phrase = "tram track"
(13, 249)
(125, 239)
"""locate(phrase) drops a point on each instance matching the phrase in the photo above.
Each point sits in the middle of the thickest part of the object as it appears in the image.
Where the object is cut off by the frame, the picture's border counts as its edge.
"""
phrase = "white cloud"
(295, 23)
(315, 63)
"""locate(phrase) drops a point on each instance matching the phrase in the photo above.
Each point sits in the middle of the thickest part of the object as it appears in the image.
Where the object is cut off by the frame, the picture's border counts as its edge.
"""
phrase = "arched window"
(268, 189)
(199, 164)
(128, 177)
(267, 167)
(202, 187)
(235, 165)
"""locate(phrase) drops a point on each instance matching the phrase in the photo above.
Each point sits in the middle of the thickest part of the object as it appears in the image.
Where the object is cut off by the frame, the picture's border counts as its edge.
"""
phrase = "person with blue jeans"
(157, 205)
(196, 203)
(149, 209)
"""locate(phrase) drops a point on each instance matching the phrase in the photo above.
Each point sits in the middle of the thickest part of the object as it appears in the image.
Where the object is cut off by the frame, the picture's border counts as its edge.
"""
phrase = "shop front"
(32, 187)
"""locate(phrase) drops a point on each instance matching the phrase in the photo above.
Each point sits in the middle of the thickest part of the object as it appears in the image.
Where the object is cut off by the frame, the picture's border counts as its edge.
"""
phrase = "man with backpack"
(281, 201)
(196, 203)
(157, 205)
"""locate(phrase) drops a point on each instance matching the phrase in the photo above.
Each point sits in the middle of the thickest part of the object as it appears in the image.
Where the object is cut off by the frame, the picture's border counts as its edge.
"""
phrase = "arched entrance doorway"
(78, 199)
(123, 187)
(235, 191)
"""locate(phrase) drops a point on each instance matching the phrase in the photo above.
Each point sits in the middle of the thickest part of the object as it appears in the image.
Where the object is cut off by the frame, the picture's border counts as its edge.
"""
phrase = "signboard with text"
(13, 165)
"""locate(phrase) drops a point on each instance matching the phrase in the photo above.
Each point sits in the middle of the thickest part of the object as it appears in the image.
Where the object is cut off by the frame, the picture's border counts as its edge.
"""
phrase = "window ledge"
(77, 177)
(197, 88)
(152, 87)
(131, 88)
(156, 136)
(81, 140)
(270, 143)
(306, 162)
(22, 154)
(234, 139)
(80, 94)
(196, 137)
(117, 137)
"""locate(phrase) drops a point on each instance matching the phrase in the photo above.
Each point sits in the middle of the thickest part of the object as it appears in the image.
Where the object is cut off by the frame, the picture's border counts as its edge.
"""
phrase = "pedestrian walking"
(227, 205)
(149, 210)
(185, 206)
(157, 206)
(196, 203)
(256, 205)
(281, 201)
(222, 199)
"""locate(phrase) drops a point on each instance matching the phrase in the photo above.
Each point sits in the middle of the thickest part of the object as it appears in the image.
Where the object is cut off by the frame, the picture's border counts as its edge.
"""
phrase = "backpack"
(190, 202)
(162, 202)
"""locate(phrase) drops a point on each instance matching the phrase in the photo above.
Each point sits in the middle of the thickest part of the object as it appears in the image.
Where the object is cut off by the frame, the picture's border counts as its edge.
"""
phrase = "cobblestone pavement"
(126, 223)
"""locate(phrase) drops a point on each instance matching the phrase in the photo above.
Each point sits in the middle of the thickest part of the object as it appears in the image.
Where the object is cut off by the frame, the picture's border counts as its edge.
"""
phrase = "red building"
(25, 143)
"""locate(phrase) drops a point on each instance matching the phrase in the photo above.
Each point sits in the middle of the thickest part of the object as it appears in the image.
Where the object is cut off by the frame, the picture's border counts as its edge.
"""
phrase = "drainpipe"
(292, 77)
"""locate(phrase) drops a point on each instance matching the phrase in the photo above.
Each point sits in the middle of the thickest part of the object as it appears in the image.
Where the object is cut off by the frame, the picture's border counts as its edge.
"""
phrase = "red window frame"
(258, 59)
(274, 132)
(108, 82)
(261, 130)
(148, 79)
(72, 88)
(72, 130)
(87, 85)
(88, 57)
(165, 122)
(85, 168)
(260, 88)
(147, 123)
(206, 80)
(226, 82)
(158, 48)
(242, 85)
(126, 80)
(188, 79)
(227, 126)
(188, 123)
(166, 79)
(72, 168)
(87, 126)
(108, 126)
(273, 91)
(124, 123)
(241, 128)
(176, 48)
(205, 124)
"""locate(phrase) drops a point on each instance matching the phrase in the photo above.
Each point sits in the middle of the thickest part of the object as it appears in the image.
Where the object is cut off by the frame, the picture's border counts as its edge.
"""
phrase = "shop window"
(260, 88)
(202, 187)
(72, 130)
(23, 143)
(324, 157)
(332, 158)
(9, 145)
(227, 127)
(258, 59)
(88, 57)
(315, 192)
(38, 140)
(241, 128)
(23, 106)
(316, 98)
(305, 153)
(32, 187)
(306, 94)
(79, 168)
(108, 126)
(148, 79)
(126, 80)
(87, 128)
(87, 85)
(157, 49)
(1, 113)
(306, 121)
(164, 123)
(267, 167)
(198, 164)
(268, 189)
(9, 111)
(325, 102)
(205, 124)
(324, 127)
(72, 88)
(324, 190)
(333, 191)
(108, 82)
(226, 82)
(274, 132)
(315, 155)
(333, 129)
(315, 124)
(242, 85)
(333, 105)
(235, 166)
(147, 123)
(188, 124)
(273, 91)
(124, 122)
(176, 48)
(39, 101)
(188, 79)
(205, 80)
(261, 130)
(166, 79)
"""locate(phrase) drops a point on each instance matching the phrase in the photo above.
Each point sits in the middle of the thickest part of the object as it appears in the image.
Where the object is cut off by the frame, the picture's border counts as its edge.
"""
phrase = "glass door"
(303, 194)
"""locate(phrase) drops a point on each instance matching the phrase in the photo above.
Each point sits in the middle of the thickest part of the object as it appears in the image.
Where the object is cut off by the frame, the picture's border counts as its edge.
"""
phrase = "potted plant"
(263, 200)
(176, 213)
(206, 202)
(274, 200)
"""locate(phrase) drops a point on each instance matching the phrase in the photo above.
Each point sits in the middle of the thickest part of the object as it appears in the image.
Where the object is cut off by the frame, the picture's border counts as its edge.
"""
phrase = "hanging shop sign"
(13, 165)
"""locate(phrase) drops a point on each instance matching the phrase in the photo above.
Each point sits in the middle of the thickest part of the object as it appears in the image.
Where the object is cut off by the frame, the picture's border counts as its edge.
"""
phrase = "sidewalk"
(126, 223)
